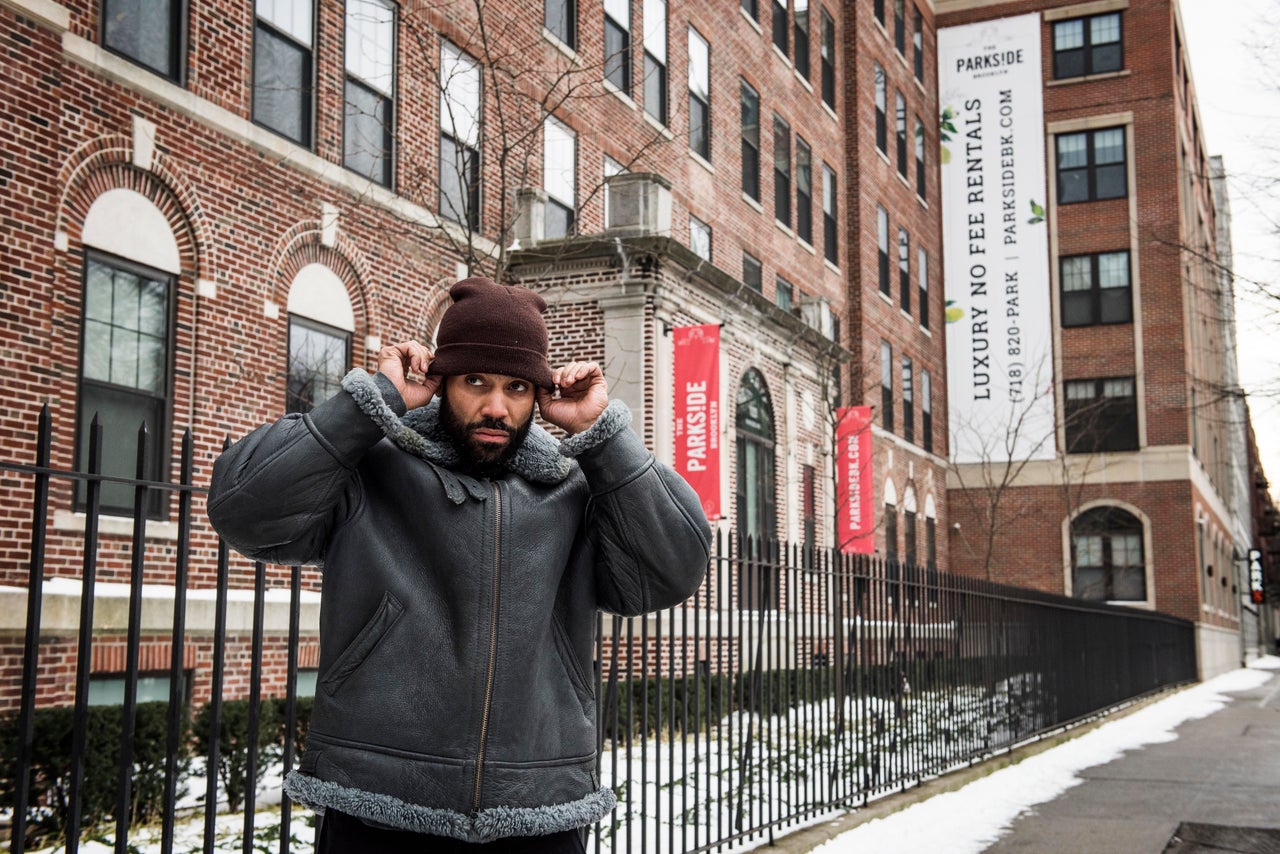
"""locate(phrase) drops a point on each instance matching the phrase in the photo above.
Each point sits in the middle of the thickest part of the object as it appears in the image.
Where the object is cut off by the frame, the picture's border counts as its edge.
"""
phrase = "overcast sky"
(1240, 112)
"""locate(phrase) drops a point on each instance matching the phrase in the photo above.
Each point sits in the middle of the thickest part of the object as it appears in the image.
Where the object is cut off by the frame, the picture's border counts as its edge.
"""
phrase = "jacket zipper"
(493, 643)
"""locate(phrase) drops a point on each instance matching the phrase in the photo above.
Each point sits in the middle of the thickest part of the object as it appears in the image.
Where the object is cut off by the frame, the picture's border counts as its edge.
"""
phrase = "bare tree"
(498, 84)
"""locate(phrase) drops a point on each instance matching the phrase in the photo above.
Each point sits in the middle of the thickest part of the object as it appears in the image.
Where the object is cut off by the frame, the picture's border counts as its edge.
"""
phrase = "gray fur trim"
(616, 417)
(420, 433)
(486, 826)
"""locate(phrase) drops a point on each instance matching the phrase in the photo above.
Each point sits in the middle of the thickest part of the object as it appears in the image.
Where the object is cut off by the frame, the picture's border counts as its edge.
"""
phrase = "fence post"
(31, 653)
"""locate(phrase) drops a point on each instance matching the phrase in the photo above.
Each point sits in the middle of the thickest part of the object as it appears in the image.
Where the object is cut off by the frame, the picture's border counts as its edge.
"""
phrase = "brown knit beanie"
(493, 329)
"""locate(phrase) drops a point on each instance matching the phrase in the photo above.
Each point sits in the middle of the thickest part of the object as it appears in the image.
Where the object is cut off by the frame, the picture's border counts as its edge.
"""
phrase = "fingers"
(576, 373)
(407, 356)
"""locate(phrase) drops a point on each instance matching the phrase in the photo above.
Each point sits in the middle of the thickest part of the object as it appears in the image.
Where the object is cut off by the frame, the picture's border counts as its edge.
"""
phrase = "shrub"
(234, 742)
(49, 805)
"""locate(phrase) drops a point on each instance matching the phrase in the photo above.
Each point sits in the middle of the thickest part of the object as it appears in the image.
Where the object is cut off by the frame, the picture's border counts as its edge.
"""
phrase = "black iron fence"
(796, 682)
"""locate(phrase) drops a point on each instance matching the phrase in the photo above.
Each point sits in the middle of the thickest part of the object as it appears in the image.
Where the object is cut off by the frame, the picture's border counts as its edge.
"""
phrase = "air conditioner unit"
(639, 204)
(816, 312)
(531, 216)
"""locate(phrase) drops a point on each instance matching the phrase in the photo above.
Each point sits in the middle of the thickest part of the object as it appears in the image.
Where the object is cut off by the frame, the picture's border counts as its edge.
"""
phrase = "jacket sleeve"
(277, 494)
(652, 539)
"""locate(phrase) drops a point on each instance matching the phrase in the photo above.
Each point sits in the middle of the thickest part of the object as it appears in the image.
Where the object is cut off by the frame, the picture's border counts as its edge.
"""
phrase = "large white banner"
(999, 339)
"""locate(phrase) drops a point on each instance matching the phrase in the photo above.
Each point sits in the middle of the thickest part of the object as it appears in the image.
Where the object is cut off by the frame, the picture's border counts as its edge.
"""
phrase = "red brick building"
(895, 296)
(213, 209)
(1135, 502)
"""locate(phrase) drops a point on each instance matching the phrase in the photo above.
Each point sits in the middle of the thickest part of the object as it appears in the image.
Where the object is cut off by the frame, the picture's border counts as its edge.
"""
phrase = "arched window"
(756, 487)
(757, 505)
(131, 265)
(1107, 557)
(321, 321)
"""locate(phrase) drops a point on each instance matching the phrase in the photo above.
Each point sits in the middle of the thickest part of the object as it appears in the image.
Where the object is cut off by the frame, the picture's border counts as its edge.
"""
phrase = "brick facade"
(1177, 480)
(249, 213)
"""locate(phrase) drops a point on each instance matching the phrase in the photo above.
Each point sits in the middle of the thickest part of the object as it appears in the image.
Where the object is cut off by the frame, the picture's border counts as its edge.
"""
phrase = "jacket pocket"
(564, 648)
(389, 610)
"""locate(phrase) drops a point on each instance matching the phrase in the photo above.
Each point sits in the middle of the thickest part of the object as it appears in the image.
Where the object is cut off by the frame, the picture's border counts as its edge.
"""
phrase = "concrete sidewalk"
(1215, 787)
(1222, 771)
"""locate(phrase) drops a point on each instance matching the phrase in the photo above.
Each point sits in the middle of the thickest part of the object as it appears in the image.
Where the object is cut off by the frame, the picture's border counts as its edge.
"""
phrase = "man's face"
(487, 416)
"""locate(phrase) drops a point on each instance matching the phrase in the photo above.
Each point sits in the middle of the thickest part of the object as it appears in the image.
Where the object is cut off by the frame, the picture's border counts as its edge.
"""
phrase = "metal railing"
(797, 681)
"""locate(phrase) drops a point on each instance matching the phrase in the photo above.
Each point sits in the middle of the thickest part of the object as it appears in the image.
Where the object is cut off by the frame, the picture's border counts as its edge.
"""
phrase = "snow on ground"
(971, 818)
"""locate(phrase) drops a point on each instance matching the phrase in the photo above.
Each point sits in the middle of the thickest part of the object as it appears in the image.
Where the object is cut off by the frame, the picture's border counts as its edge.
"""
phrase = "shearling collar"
(541, 459)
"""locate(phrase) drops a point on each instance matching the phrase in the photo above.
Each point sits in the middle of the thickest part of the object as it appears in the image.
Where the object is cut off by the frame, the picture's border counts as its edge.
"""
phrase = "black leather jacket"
(456, 692)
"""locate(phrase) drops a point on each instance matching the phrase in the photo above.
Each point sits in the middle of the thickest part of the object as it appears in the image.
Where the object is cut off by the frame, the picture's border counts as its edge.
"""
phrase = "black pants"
(344, 834)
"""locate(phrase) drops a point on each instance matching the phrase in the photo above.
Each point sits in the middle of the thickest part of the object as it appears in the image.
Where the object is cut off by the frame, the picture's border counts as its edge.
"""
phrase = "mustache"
(488, 423)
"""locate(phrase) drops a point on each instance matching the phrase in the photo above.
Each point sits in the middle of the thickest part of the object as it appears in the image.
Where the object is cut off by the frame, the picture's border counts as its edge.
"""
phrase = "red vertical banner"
(697, 411)
(856, 516)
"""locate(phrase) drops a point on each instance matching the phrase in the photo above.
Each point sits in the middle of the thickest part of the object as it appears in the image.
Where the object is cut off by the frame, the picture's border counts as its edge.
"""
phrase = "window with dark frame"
(368, 118)
(781, 170)
(904, 269)
(917, 44)
(908, 401)
(828, 60)
(886, 385)
(1096, 289)
(931, 558)
(611, 168)
(151, 686)
(900, 125)
(882, 105)
(699, 95)
(752, 272)
(922, 279)
(920, 167)
(1101, 415)
(283, 89)
(750, 141)
(809, 508)
(756, 499)
(830, 208)
(655, 59)
(780, 38)
(559, 178)
(319, 357)
(1107, 561)
(877, 7)
(151, 34)
(909, 543)
(931, 550)
(1084, 46)
(617, 44)
(926, 411)
(125, 377)
(1091, 165)
(752, 8)
(900, 27)
(699, 238)
(560, 17)
(804, 191)
(882, 244)
(784, 294)
(460, 123)
(800, 12)
(891, 539)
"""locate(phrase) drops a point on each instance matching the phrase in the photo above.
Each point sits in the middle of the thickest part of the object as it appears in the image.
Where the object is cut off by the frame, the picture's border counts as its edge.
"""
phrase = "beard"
(482, 459)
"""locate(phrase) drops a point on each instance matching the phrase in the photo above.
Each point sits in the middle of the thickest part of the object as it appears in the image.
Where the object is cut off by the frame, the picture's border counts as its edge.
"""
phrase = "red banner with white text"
(697, 411)
(856, 527)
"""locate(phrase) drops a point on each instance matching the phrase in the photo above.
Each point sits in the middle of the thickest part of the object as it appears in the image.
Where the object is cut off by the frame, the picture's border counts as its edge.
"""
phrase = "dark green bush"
(234, 742)
(50, 774)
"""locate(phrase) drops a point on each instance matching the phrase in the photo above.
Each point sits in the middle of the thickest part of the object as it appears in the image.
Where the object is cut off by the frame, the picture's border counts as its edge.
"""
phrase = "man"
(465, 553)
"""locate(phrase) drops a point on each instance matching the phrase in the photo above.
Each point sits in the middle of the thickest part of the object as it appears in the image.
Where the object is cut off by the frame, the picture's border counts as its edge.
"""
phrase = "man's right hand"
(396, 361)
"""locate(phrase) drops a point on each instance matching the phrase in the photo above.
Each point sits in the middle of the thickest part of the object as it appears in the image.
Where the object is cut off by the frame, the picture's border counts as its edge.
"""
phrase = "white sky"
(1240, 112)
(970, 819)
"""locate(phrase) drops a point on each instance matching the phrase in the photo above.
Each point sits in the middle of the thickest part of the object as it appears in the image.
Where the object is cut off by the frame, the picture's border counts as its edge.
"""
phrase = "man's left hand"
(583, 395)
